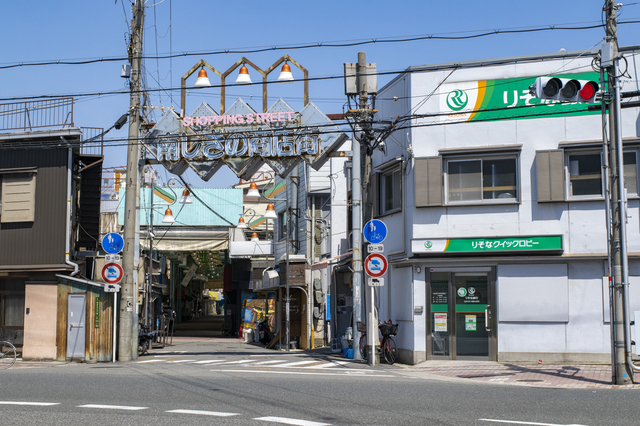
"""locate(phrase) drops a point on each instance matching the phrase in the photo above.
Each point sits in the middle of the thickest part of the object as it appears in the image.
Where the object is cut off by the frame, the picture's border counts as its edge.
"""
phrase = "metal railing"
(32, 115)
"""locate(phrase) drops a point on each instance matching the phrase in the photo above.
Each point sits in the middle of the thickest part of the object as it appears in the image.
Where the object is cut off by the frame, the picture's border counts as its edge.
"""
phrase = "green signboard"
(506, 99)
(488, 245)
(97, 316)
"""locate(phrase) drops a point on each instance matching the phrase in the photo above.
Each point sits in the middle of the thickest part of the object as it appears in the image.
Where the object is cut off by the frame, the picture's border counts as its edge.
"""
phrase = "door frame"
(84, 332)
(490, 271)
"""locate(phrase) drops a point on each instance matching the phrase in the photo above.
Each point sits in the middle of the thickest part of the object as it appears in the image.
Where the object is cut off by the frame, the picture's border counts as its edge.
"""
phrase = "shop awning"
(177, 238)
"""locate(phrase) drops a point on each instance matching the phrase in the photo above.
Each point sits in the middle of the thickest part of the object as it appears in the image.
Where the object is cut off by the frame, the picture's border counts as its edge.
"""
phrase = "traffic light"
(564, 89)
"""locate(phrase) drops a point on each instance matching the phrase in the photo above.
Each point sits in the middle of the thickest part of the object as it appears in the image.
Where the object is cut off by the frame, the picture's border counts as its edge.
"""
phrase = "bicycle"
(7, 355)
(388, 348)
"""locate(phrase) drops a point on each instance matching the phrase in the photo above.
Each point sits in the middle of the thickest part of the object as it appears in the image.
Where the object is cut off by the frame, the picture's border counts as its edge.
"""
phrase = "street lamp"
(168, 218)
(270, 214)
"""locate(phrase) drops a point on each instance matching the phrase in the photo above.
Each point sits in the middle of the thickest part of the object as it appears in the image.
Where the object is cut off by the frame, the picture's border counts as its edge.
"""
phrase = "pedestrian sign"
(375, 231)
(112, 243)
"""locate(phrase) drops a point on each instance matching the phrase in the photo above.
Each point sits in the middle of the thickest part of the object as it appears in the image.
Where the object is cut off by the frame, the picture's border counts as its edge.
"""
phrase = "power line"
(321, 78)
(315, 45)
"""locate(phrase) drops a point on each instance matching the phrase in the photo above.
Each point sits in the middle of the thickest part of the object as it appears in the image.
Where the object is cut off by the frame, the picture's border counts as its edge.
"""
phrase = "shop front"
(461, 319)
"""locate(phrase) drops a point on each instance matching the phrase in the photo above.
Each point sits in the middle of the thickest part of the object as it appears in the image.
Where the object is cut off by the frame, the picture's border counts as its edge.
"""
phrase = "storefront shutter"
(550, 175)
(428, 181)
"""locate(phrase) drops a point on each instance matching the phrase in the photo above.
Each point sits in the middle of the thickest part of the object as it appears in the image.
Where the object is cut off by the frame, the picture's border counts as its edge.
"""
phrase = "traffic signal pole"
(619, 273)
(128, 327)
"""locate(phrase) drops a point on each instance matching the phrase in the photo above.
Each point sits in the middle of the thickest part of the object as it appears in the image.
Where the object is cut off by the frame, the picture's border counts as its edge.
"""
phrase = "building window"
(17, 195)
(390, 191)
(585, 174)
(282, 225)
(484, 179)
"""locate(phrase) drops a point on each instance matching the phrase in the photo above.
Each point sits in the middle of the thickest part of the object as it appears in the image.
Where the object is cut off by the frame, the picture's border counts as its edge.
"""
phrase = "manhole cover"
(529, 380)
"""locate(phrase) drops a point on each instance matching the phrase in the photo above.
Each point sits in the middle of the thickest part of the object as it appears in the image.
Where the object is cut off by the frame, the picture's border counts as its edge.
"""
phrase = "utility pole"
(128, 332)
(618, 249)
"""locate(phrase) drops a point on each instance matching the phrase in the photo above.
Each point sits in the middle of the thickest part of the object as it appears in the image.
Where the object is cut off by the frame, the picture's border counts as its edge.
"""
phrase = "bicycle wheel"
(7, 355)
(390, 350)
(363, 346)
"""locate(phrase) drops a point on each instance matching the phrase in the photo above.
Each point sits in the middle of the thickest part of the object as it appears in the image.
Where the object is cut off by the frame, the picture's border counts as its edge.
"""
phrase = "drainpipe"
(67, 258)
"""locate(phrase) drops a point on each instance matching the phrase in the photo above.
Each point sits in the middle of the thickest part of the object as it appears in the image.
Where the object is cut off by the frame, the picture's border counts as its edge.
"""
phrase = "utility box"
(371, 78)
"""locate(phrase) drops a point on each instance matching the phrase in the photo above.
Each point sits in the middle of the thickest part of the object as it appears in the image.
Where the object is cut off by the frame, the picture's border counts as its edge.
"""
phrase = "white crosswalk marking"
(206, 361)
(293, 364)
(181, 360)
(242, 361)
(28, 403)
(112, 407)
(203, 413)
(271, 361)
(288, 421)
(330, 364)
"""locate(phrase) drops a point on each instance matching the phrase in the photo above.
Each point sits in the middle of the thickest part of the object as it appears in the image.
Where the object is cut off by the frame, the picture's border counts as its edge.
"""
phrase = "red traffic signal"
(564, 89)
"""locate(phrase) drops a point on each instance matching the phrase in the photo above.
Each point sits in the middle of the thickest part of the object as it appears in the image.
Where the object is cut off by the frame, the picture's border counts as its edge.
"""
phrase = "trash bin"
(293, 344)
(247, 334)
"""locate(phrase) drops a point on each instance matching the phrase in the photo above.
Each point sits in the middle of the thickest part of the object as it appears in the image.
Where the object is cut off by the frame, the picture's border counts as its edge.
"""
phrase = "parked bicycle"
(7, 355)
(388, 348)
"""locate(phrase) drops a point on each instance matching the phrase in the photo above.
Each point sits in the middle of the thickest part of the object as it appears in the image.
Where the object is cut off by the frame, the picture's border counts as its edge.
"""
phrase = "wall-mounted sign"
(541, 243)
(505, 99)
(243, 139)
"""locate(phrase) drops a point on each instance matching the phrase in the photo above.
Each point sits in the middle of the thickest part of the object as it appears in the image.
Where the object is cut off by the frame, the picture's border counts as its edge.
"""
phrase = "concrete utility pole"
(618, 248)
(128, 332)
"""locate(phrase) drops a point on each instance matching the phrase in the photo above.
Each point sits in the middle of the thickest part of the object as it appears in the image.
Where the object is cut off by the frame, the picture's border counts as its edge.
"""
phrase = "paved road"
(229, 383)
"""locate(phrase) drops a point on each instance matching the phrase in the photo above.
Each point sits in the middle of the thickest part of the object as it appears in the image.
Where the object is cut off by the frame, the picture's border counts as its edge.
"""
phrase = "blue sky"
(77, 30)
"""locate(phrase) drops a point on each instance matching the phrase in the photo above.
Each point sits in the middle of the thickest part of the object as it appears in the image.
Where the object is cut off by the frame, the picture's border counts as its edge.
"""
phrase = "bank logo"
(457, 99)
(462, 292)
(428, 245)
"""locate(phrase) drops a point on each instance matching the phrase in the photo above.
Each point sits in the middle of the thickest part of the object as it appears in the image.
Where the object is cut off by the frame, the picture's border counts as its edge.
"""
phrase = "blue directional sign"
(375, 231)
(112, 243)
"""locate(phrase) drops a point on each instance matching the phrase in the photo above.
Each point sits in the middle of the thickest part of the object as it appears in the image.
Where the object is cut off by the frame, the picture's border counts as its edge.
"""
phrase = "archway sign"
(243, 139)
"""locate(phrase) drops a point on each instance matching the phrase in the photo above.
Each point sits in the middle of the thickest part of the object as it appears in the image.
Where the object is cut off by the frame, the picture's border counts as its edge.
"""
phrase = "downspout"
(67, 256)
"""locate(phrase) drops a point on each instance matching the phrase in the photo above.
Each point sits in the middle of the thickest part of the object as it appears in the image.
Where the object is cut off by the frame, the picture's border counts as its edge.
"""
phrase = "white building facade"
(495, 204)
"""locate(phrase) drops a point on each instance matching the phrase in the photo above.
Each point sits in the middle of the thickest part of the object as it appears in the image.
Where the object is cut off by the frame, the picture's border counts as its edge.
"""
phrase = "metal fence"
(32, 115)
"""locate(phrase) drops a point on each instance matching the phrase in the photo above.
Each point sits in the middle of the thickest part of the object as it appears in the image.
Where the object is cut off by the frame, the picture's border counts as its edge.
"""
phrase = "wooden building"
(49, 231)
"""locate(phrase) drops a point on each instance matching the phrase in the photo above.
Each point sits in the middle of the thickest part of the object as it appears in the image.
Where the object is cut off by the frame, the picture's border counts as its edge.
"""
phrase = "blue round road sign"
(112, 243)
(375, 231)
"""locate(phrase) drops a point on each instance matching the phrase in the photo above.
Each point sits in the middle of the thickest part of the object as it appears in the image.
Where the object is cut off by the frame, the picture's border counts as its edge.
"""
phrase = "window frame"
(567, 152)
(481, 156)
(31, 213)
(385, 172)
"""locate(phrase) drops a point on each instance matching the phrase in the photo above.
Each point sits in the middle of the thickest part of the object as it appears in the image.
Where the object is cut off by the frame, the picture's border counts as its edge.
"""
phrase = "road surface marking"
(182, 360)
(305, 373)
(208, 360)
(293, 364)
(515, 422)
(112, 407)
(291, 421)
(272, 361)
(203, 413)
(28, 403)
(332, 364)
(149, 360)
(242, 361)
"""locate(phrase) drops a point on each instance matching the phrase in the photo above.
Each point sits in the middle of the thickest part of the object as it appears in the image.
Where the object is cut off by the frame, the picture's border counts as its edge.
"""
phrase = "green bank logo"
(457, 100)
(462, 292)
(428, 244)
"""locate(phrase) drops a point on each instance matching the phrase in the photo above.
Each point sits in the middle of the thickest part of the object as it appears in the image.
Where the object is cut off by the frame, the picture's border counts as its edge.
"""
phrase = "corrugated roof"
(227, 202)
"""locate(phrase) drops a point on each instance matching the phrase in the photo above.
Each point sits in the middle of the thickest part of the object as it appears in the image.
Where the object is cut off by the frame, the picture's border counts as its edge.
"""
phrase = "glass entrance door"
(471, 302)
(461, 319)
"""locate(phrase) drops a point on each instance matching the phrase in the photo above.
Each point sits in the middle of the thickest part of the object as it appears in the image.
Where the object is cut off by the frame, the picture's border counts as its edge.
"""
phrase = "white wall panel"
(533, 293)
(586, 332)
(401, 293)
(531, 337)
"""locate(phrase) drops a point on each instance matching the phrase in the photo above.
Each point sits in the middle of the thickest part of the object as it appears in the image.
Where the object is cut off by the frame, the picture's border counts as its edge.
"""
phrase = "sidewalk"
(540, 375)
